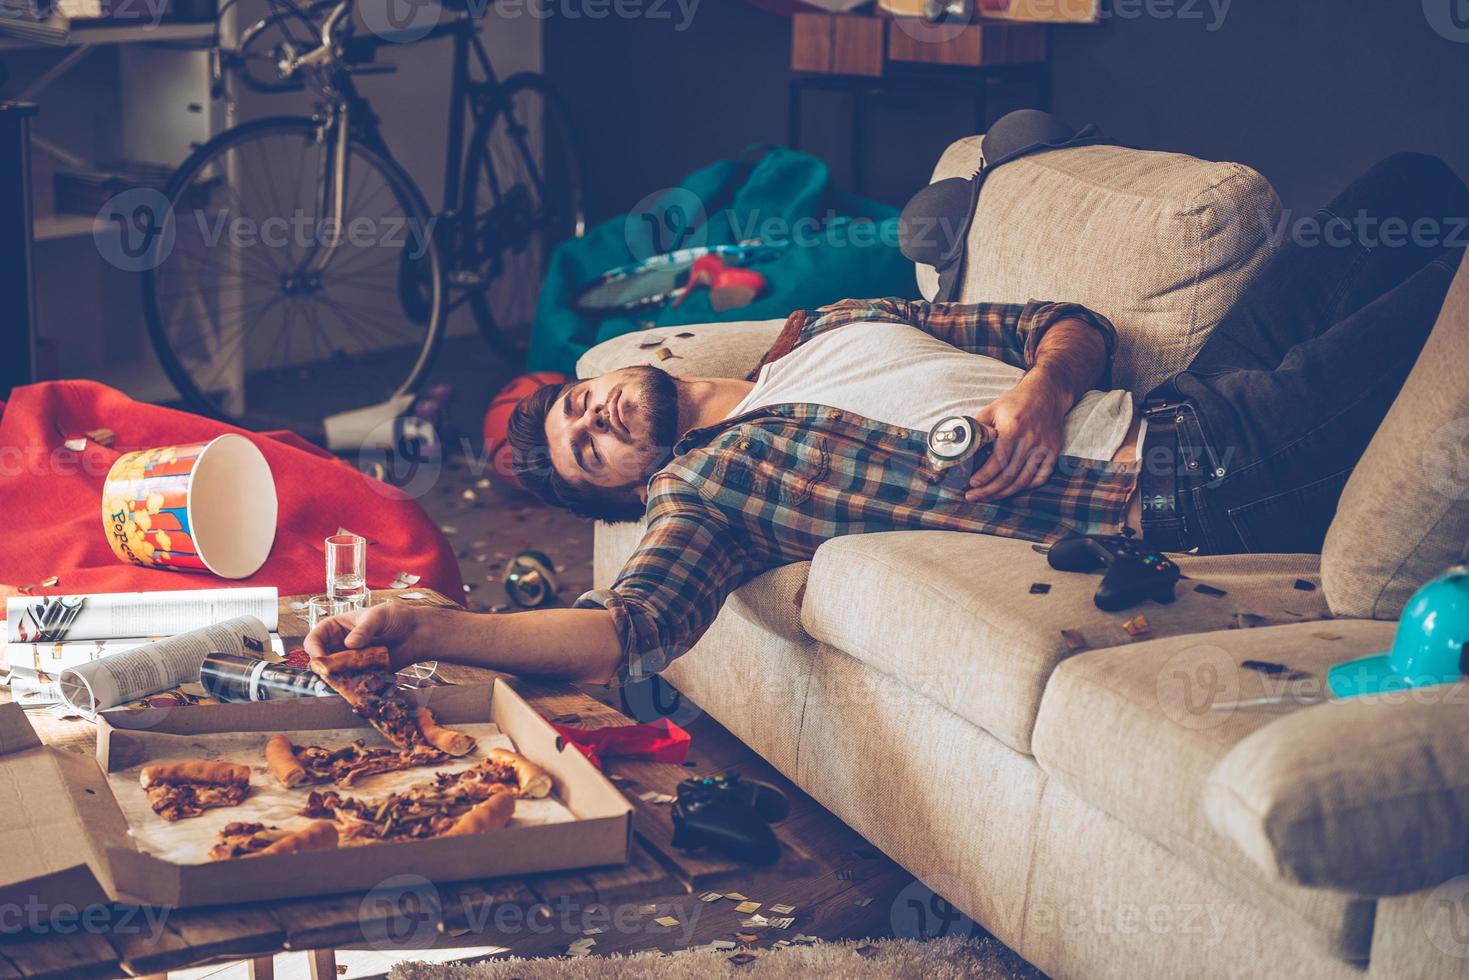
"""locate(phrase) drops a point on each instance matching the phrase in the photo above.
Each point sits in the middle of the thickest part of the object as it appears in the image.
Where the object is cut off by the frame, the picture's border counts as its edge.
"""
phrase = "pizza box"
(65, 839)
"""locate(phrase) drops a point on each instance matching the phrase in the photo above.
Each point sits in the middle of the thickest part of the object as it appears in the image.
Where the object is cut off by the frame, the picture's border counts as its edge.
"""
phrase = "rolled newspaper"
(158, 666)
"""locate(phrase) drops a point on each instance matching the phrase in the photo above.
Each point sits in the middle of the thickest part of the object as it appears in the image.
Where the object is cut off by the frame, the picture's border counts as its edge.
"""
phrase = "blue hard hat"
(1430, 647)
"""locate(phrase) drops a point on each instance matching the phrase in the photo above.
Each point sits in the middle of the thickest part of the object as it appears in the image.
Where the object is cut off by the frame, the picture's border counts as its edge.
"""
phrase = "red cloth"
(658, 741)
(53, 500)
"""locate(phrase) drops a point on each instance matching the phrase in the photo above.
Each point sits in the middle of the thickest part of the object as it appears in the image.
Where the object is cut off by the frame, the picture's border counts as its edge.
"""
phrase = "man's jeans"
(1281, 401)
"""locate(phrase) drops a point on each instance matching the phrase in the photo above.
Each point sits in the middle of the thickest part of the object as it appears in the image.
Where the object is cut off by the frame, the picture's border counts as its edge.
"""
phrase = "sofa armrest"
(1367, 795)
(715, 350)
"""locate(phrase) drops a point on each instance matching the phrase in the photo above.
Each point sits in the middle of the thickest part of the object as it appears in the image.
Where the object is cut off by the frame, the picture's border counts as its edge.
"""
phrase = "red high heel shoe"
(729, 286)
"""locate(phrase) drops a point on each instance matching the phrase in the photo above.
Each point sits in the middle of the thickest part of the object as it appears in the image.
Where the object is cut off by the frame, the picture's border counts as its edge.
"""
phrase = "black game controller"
(729, 814)
(1134, 573)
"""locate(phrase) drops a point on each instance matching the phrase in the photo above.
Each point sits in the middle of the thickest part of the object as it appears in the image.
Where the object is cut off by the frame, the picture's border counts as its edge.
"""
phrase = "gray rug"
(898, 959)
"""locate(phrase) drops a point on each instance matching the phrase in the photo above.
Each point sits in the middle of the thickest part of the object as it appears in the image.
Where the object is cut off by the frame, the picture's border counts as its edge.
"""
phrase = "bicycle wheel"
(522, 184)
(264, 314)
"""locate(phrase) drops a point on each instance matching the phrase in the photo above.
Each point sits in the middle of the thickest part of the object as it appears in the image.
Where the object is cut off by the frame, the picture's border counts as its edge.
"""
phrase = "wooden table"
(826, 870)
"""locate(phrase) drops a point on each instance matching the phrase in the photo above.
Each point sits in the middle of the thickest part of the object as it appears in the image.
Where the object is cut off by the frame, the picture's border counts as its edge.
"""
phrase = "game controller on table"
(1134, 572)
(729, 814)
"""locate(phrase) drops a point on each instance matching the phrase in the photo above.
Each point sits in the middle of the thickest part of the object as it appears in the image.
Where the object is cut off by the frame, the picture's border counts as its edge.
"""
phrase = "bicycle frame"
(345, 112)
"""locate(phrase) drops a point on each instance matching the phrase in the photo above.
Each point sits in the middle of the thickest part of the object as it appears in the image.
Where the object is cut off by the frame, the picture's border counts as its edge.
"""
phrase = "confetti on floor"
(1075, 640)
(745, 908)
(1302, 585)
(755, 922)
(1039, 588)
(783, 923)
(736, 897)
(667, 921)
(710, 897)
(862, 903)
(1137, 627)
(782, 909)
(1203, 589)
(740, 959)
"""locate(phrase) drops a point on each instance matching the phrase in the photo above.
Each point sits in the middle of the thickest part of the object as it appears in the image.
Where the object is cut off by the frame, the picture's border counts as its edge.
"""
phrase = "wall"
(1309, 92)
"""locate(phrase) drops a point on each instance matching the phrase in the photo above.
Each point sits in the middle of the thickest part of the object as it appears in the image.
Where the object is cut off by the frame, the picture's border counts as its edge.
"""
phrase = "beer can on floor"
(530, 579)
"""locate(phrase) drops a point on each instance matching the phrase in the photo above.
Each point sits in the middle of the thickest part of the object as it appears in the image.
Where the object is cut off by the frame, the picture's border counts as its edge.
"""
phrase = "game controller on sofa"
(729, 814)
(1134, 571)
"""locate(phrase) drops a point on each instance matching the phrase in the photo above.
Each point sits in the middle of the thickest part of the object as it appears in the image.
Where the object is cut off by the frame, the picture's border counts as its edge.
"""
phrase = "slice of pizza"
(365, 679)
(310, 765)
(443, 808)
(177, 790)
(239, 840)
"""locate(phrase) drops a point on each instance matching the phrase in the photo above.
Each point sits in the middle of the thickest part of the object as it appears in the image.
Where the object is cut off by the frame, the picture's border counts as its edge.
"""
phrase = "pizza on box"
(478, 800)
(295, 766)
(239, 840)
(177, 790)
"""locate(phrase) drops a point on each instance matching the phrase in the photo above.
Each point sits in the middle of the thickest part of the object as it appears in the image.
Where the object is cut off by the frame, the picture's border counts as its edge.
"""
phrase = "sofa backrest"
(1404, 515)
(1160, 243)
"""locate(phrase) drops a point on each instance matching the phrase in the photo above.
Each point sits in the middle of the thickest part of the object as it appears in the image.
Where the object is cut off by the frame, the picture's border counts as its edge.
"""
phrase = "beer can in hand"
(956, 439)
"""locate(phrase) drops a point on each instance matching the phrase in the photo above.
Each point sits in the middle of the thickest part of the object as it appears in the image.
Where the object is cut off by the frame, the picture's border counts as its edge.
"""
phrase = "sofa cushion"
(953, 616)
(1160, 243)
(1366, 795)
(715, 350)
(1133, 732)
(752, 680)
(1404, 515)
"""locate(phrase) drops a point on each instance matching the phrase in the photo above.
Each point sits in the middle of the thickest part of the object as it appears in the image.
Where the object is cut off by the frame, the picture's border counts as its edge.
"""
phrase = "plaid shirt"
(766, 488)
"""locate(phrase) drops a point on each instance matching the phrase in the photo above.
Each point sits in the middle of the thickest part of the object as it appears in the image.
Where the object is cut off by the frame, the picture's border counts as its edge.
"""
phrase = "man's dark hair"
(530, 460)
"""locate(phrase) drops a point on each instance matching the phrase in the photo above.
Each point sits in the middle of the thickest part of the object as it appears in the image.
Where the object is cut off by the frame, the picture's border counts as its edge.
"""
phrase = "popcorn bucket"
(204, 507)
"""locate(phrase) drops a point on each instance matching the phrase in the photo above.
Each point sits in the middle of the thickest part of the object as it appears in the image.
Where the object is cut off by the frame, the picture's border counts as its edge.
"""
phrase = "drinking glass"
(320, 607)
(346, 569)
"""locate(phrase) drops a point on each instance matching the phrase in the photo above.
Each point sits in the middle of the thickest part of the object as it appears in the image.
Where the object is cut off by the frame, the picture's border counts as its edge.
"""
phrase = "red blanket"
(52, 501)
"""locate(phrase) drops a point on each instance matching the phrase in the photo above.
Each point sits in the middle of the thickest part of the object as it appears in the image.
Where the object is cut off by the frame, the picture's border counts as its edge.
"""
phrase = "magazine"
(94, 652)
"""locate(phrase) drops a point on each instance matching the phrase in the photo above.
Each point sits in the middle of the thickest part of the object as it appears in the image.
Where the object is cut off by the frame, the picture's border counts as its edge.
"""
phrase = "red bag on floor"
(658, 741)
(53, 501)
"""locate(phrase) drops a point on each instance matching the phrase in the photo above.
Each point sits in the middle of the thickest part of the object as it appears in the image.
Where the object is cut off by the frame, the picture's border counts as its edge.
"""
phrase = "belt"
(1165, 522)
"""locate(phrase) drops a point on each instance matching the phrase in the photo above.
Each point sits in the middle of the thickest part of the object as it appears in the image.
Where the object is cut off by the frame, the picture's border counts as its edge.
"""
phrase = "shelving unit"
(141, 34)
(136, 94)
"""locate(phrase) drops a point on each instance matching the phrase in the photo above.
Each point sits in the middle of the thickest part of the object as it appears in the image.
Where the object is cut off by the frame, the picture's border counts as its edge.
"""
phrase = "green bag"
(842, 246)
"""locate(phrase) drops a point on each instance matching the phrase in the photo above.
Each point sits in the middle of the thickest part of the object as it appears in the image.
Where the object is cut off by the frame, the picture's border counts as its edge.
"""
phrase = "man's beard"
(658, 398)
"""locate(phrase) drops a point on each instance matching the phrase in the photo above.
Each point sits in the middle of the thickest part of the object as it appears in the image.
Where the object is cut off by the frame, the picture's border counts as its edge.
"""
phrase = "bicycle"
(349, 296)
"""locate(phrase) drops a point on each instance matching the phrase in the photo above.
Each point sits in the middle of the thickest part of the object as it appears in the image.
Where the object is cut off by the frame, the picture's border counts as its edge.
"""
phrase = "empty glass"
(320, 607)
(346, 570)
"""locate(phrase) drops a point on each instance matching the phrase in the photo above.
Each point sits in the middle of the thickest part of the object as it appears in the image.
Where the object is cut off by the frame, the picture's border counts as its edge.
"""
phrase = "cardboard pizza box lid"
(56, 816)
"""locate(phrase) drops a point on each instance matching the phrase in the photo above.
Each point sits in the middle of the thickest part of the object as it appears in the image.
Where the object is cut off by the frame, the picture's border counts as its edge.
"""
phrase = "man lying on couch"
(830, 436)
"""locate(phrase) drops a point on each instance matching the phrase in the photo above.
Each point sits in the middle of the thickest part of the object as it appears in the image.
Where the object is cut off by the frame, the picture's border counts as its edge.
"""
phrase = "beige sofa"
(1090, 807)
